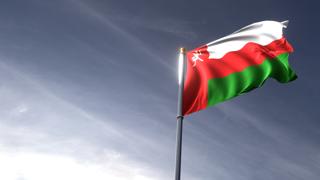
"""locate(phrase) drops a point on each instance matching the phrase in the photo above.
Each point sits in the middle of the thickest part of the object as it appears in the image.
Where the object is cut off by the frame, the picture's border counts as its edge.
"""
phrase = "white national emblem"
(196, 57)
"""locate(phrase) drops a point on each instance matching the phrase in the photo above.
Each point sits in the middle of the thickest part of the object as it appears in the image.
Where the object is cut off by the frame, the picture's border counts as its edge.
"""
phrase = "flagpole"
(182, 70)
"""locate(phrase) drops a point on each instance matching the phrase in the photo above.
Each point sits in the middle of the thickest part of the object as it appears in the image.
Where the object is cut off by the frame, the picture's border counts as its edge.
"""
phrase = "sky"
(88, 90)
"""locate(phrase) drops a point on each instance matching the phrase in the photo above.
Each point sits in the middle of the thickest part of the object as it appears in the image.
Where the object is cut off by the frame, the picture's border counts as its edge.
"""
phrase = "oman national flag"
(236, 64)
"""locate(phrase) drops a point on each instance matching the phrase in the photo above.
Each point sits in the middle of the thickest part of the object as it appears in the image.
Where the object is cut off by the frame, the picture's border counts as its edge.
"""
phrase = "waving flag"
(236, 64)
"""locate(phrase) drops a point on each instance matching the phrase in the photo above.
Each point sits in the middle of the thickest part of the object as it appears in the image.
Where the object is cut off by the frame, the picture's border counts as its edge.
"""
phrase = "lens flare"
(180, 68)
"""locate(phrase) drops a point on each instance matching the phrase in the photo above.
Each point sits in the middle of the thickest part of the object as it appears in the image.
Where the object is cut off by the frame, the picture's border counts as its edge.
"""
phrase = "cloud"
(136, 42)
(176, 27)
(43, 136)
(39, 166)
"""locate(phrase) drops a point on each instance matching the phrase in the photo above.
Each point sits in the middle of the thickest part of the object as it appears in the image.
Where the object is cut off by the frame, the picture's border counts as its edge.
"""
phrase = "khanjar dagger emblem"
(196, 57)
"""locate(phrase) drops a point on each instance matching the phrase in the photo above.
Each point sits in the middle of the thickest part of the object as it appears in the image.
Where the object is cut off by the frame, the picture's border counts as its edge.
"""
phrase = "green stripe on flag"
(221, 89)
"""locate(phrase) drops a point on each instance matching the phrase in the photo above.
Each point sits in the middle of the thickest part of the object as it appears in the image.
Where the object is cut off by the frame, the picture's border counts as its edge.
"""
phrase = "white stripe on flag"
(262, 33)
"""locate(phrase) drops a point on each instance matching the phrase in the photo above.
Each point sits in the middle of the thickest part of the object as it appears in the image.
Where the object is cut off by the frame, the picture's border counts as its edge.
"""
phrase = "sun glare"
(180, 68)
(34, 166)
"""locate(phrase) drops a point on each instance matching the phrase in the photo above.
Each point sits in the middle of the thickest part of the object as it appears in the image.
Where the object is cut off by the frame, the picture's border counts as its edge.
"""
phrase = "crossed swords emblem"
(196, 57)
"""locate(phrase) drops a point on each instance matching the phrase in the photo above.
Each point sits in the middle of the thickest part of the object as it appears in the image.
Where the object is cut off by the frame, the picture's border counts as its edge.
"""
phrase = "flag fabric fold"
(236, 64)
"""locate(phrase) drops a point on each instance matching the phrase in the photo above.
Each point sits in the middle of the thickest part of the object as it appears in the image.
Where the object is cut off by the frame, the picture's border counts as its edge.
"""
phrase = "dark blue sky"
(88, 90)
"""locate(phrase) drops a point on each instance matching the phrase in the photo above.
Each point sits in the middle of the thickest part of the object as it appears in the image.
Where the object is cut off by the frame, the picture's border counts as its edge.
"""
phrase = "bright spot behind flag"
(180, 67)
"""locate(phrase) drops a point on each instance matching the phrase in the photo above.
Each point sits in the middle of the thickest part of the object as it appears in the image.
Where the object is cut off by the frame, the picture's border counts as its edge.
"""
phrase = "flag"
(236, 64)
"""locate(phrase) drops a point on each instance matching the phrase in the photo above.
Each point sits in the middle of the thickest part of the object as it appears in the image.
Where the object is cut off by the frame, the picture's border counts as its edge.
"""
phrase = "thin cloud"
(50, 122)
(138, 44)
(172, 26)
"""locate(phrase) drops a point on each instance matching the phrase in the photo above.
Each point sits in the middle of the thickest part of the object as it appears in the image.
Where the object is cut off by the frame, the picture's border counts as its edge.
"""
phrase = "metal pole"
(182, 70)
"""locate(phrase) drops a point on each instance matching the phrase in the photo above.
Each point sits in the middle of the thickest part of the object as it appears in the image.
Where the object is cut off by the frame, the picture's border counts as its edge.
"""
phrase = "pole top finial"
(183, 50)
